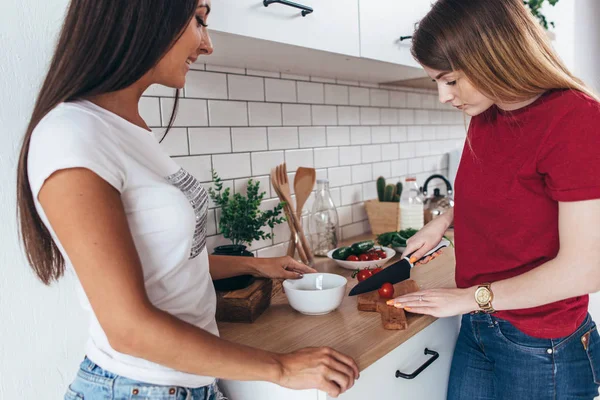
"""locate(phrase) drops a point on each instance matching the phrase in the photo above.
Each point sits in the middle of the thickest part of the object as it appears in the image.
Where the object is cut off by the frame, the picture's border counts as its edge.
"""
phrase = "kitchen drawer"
(332, 27)
(379, 380)
(382, 24)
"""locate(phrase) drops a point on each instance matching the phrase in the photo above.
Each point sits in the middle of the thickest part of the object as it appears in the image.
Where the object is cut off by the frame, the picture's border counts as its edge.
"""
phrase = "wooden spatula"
(304, 183)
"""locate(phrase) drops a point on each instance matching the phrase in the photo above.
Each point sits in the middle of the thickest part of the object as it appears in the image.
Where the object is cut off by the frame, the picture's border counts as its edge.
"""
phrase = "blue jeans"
(95, 383)
(494, 360)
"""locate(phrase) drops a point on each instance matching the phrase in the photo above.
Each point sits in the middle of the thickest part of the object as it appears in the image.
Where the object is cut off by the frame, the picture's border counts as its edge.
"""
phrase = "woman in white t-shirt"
(96, 194)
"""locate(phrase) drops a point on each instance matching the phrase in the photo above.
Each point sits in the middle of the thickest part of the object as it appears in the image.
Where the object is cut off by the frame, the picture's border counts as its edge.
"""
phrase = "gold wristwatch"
(484, 297)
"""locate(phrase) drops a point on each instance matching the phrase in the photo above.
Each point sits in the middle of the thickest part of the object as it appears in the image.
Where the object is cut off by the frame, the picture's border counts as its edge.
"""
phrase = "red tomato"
(376, 270)
(374, 257)
(382, 254)
(352, 258)
(386, 291)
(363, 274)
(363, 257)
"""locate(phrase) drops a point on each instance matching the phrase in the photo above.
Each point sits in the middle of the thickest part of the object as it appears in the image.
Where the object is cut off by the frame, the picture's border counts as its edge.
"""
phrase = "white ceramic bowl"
(315, 294)
(364, 264)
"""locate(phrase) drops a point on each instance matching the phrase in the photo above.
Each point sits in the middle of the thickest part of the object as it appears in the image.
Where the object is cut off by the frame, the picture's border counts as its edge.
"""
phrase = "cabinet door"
(379, 380)
(382, 23)
(252, 390)
(333, 25)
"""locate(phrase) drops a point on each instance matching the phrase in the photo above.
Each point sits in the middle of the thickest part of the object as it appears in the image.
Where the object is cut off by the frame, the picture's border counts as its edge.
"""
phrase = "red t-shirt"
(508, 185)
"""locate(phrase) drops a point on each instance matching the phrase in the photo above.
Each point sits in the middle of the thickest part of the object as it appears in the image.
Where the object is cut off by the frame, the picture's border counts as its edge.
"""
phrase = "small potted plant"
(242, 222)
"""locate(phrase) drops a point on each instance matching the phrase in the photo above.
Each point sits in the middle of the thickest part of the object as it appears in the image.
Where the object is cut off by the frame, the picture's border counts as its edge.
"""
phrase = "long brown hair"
(498, 45)
(104, 46)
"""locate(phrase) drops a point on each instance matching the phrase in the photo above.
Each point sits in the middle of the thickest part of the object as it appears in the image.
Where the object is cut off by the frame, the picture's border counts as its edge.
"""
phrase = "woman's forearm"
(228, 266)
(162, 338)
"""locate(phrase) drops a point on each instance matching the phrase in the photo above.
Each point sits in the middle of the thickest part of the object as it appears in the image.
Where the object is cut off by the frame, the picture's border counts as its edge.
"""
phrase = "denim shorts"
(94, 383)
(493, 360)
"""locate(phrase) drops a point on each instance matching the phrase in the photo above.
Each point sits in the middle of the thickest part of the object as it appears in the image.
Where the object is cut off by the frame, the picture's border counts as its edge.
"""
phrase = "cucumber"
(342, 253)
(362, 247)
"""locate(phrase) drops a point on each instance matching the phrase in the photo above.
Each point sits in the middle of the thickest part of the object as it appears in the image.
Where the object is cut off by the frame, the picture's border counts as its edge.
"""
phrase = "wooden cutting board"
(244, 305)
(391, 317)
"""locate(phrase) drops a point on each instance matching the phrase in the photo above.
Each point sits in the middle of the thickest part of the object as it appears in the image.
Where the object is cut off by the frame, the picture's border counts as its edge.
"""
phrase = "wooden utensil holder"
(244, 305)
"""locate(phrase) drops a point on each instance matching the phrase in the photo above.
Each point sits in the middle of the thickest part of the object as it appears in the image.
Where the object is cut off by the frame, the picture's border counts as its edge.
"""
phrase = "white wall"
(41, 334)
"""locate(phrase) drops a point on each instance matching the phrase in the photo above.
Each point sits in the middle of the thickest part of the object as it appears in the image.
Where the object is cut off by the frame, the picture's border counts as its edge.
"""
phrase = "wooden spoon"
(304, 183)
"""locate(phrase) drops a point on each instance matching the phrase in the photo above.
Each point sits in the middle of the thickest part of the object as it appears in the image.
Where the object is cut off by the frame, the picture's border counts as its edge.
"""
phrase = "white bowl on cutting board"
(353, 265)
(315, 294)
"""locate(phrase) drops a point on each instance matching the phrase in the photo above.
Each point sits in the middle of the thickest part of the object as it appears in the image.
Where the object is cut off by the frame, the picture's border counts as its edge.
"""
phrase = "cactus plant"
(396, 198)
(390, 191)
(399, 190)
(380, 188)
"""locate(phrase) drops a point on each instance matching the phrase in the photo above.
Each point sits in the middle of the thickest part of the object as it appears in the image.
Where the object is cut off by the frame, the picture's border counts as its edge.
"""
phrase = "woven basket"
(383, 216)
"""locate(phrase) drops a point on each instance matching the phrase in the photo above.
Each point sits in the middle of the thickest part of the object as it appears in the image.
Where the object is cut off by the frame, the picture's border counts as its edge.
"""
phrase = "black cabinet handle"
(435, 355)
(403, 38)
(305, 10)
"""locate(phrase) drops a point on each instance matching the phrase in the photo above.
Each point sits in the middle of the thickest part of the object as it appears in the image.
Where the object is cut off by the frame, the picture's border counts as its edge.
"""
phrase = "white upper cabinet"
(332, 26)
(383, 22)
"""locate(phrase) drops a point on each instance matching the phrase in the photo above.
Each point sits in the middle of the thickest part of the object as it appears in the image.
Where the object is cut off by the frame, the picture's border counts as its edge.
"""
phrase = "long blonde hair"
(499, 46)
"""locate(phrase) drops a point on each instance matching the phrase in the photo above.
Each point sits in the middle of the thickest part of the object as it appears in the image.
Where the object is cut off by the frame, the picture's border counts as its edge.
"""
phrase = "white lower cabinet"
(379, 381)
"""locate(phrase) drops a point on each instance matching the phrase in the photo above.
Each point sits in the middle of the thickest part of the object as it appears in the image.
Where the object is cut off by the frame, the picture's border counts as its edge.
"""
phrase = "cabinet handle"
(403, 38)
(305, 10)
(427, 363)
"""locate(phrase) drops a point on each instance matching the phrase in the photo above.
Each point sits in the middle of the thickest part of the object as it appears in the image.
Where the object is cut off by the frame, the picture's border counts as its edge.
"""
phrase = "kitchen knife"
(397, 272)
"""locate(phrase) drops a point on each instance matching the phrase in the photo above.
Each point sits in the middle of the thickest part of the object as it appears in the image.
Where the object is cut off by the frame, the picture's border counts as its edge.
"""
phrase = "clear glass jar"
(323, 221)
(411, 206)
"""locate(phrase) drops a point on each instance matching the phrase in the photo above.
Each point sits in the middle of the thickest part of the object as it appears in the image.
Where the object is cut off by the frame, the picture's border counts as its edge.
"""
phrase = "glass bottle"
(323, 222)
(411, 206)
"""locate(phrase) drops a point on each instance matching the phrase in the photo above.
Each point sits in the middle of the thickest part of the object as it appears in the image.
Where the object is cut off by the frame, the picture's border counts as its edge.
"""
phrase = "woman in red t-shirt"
(527, 211)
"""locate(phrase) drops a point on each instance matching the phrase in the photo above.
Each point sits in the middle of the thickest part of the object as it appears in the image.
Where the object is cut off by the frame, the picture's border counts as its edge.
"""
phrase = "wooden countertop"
(358, 334)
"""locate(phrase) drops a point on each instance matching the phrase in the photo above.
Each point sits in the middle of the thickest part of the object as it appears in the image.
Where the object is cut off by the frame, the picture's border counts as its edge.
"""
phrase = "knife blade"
(397, 272)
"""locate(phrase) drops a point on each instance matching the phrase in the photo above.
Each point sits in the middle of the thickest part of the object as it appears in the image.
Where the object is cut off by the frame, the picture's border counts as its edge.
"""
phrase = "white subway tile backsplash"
(345, 215)
(359, 96)
(312, 136)
(246, 88)
(339, 176)
(157, 90)
(389, 116)
(382, 169)
(379, 98)
(206, 85)
(310, 92)
(369, 116)
(327, 157)
(360, 135)
(241, 185)
(199, 166)
(299, 158)
(209, 140)
(262, 163)
(231, 166)
(149, 109)
(265, 114)
(399, 133)
(338, 136)
(350, 155)
(399, 167)
(352, 194)
(397, 99)
(296, 114)
(362, 173)
(190, 112)
(336, 94)
(249, 139)
(198, 66)
(371, 153)
(389, 152)
(351, 132)
(283, 138)
(280, 90)
(228, 113)
(380, 134)
(175, 143)
(348, 115)
(413, 100)
(324, 115)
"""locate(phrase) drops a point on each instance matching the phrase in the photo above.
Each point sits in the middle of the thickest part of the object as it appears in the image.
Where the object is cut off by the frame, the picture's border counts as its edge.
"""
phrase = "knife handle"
(441, 245)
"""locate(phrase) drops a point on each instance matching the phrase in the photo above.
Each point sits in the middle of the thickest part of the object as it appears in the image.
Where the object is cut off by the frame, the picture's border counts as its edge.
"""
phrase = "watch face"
(482, 295)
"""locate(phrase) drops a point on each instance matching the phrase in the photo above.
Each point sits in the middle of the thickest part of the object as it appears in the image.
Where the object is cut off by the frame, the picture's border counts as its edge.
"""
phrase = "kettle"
(436, 205)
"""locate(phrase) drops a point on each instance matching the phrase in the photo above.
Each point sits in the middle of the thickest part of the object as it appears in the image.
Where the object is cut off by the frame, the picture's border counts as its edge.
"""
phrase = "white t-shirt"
(166, 210)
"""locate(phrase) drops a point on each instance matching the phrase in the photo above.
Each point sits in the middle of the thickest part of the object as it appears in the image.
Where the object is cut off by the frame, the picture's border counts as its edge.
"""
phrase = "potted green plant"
(536, 6)
(242, 221)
